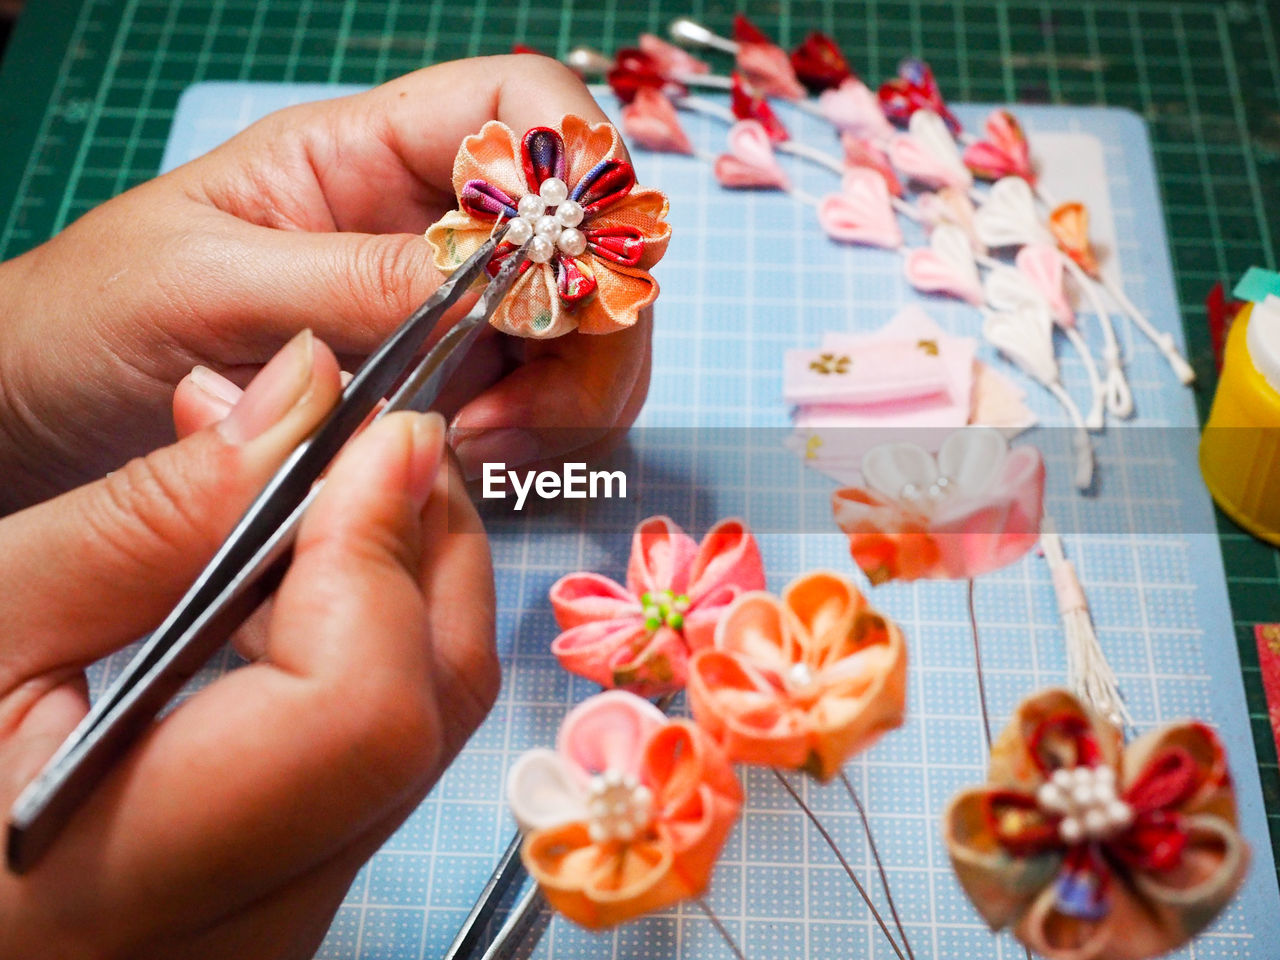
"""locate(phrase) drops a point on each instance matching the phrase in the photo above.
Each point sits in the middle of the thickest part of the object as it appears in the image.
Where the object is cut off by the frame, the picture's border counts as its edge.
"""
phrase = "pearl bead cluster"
(1086, 799)
(800, 677)
(548, 221)
(936, 491)
(618, 807)
(664, 606)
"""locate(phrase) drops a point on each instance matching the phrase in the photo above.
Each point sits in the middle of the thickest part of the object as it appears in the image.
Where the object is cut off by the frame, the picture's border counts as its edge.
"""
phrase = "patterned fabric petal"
(587, 144)
(605, 184)
(486, 202)
(1212, 791)
(532, 306)
(1054, 933)
(999, 884)
(1049, 730)
(575, 280)
(622, 293)
(623, 654)
(455, 237)
(492, 155)
(622, 245)
(644, 211)
(542, 157)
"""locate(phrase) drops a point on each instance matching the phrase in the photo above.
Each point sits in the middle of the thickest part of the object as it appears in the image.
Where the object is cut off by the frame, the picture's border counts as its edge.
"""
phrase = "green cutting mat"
(88, 89)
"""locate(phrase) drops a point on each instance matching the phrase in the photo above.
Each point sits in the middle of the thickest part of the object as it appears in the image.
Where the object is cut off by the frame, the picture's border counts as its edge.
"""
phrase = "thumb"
(94, 569)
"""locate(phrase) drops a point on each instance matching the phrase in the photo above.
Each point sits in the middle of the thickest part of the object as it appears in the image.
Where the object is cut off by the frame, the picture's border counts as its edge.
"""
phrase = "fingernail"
(215, 387)
(428, 439)
(509, 445)
(276, 390)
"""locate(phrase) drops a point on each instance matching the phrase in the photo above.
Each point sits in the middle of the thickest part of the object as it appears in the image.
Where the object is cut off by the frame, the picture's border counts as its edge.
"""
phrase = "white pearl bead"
(569, 213)
(1120, 813)
(548, 226)
(613, 778)
(531, 206)
(1050, 798)
(596, 831)
(1104, 774)
(553, 191)
(573, 242)
(540, 250)
(519, 231)
(1082, 794)
(1070, 830)
(1082, 775)
(624, 831)
(1095, 822)
(1062, 777)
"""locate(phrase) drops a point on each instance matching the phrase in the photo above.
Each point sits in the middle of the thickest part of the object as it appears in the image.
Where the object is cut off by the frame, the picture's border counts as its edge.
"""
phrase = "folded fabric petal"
(750, 161)
(974, 508)
(862, 212)
(1008, 218)
(946, 266)
(748, 105)
(804, 681)
(819, 64)
(861, 152)
(645, 805)
(650, 121)
(765, 65)
(1003, 153)
(1042, 265)
(927, 154)
(639, 636)
(575, 176)
(671, 60)
(1069, 224)
(852, 108)
(1088, 851)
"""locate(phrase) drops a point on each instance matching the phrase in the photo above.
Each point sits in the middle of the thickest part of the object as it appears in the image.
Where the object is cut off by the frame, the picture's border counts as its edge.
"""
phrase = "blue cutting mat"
(747, 276)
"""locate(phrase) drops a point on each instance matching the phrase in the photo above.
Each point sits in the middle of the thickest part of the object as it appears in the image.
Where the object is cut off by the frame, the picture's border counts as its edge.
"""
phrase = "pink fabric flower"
(639, 637)
(973, 509)
(627, 815)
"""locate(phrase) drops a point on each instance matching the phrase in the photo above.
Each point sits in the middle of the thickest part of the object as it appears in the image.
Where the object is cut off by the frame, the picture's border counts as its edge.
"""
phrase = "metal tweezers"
(250, 563)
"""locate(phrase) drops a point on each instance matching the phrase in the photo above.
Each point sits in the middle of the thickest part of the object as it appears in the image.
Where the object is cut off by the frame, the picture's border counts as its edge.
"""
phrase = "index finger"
(382, 161)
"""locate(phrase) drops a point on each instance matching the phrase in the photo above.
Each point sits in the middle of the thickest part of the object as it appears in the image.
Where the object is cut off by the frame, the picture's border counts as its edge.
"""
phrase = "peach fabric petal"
(455, 237)
(622, 653)
(696, 801)
(580, 598)
(622, 293)
(532, 306)
(850, 689)
(768, 69)
(492, 155)
(1069, 224)
(643, 209)
(587, 144)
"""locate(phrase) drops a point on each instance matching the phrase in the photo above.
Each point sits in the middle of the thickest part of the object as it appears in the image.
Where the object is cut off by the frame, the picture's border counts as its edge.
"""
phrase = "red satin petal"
(624, 245)
(747, 106)
(632, 71)
(819, 64)
(572, 282)
(744, 31)
(1064, 729)
(604, 185)
(1166, 782)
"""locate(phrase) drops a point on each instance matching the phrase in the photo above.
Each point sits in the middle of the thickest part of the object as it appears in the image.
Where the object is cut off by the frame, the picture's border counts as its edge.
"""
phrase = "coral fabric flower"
(914, 88)
(1091, 850)
(974, 509)
(804, 681)
(595, 234)
(639, 637)
(1003, 153)
(627, 815)
(1069, 224)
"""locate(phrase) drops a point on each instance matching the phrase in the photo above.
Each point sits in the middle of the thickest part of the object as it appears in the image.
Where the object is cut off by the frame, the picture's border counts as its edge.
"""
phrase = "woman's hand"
(235, 826)
(311, 218)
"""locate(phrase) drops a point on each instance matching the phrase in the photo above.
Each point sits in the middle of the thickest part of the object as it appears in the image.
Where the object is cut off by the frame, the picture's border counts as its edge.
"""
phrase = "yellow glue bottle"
(1240, 446)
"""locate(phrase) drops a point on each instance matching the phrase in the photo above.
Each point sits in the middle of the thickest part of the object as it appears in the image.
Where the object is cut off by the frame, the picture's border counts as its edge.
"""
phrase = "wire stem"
(866, 897)
(875, 852)
(977, 659)
(723, 930)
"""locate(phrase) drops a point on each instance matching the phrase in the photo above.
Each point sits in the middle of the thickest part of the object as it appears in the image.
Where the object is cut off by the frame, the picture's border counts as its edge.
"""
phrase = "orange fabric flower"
(627, 815)
(595, 277)
(1092, 850)
(804, 681)
(1069, 224)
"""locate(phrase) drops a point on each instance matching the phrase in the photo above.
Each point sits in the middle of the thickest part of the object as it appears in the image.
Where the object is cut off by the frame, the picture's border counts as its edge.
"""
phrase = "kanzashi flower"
(1091, 850)
(639, 637)
(804, 681)
(1069, 224)
(819, 64)
(914, 88)
(627, 815)
(1004, 152)
(592, 234)
(973, 509)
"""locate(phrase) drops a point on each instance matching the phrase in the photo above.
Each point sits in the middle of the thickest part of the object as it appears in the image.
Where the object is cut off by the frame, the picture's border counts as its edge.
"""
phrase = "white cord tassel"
(1089, 674)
